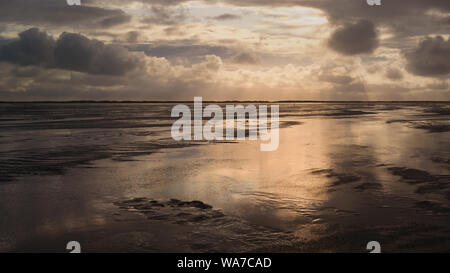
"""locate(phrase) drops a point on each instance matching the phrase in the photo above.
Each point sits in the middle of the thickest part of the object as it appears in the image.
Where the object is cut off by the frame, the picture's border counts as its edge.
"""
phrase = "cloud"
(403, 17)
(157, 79)
(192, 52)
(71, 52)
(211, 63)
(78, 53)
(129, 37)
(438, 86)
(226, 17)
(246, 58)
(353, 39)
(159, 64)
(157, 2)
(33, 47)
(394, 74)
(58, 13)
(431, 58)
(165, 16)
(337, 79)
(356, 88)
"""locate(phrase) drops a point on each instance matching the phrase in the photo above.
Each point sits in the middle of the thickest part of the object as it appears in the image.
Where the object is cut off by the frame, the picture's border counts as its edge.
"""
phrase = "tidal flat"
(109, 176)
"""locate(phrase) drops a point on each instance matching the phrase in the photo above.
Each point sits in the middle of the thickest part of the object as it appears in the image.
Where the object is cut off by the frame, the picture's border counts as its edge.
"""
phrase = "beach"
(109, 176)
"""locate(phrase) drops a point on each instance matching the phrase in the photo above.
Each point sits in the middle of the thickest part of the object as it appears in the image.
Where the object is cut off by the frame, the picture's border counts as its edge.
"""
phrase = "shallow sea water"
(111, 177)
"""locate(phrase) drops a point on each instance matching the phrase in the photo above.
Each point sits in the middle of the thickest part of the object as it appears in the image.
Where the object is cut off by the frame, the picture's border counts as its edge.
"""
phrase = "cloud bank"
(225, 49)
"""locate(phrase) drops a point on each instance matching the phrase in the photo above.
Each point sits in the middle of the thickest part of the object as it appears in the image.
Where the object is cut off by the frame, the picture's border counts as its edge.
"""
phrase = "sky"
(224, 50)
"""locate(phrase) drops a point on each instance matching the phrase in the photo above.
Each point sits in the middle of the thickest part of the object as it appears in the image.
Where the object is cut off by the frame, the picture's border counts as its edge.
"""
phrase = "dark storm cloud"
(403, 17)
(58, 13)
(353, 39)
(78, 53)
(226, 17)
(393, 10)
(71, 51)
(430, 58)
(33, 48)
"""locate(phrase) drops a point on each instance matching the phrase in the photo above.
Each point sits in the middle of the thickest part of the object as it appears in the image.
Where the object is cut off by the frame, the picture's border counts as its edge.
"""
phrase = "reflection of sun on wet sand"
(344, 174)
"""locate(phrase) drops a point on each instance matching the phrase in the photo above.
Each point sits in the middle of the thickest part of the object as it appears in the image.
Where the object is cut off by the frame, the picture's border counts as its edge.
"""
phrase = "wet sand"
(110, 177)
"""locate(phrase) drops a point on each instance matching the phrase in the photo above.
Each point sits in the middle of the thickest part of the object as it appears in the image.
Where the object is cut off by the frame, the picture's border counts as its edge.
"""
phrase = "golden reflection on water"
(284, 185)
(293, 188)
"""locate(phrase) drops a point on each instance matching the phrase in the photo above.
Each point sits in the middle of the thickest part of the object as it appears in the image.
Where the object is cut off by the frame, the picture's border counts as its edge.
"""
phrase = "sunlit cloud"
(228, 50)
